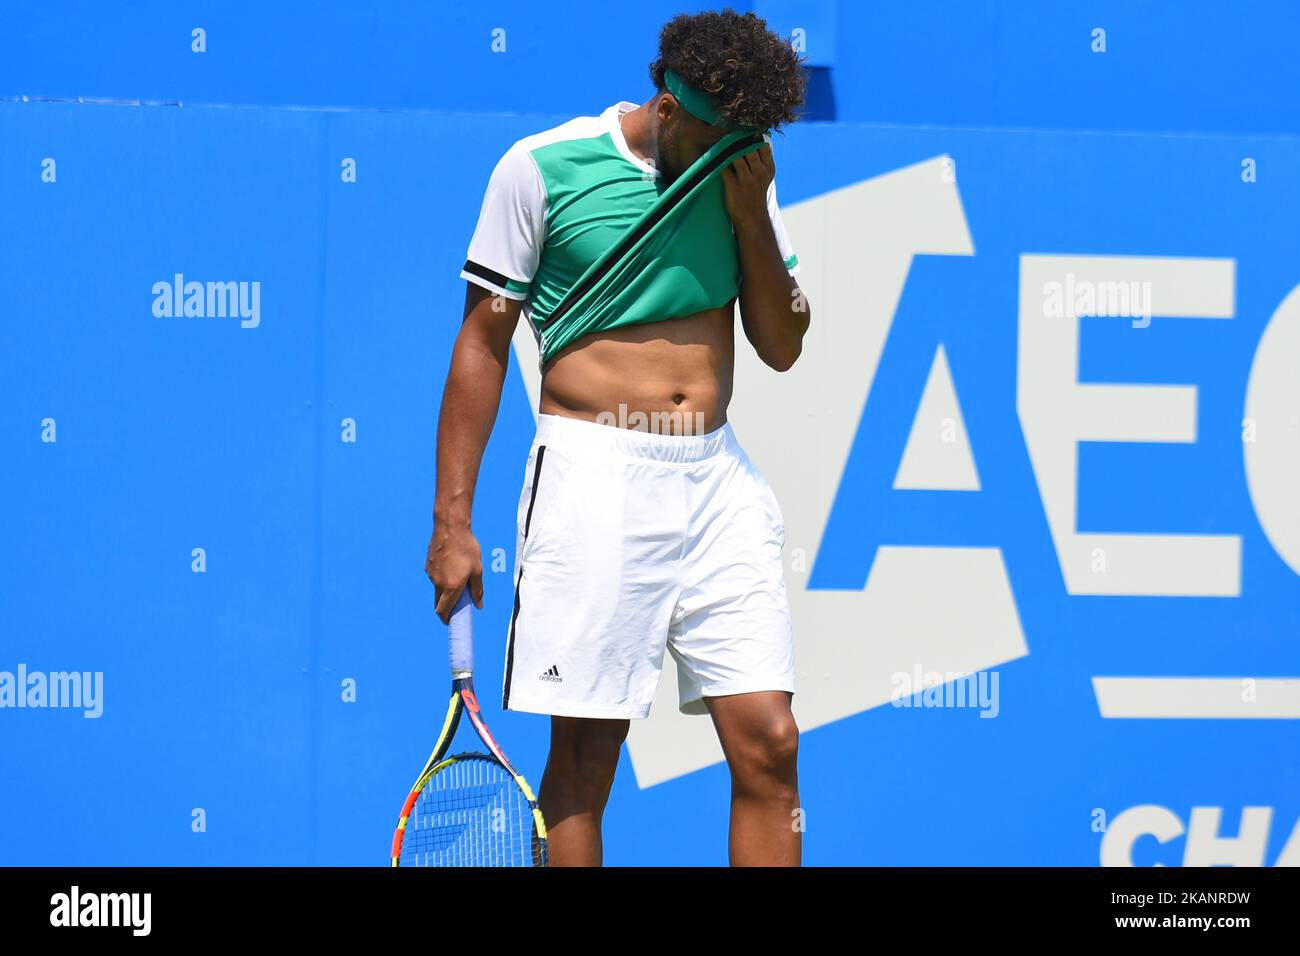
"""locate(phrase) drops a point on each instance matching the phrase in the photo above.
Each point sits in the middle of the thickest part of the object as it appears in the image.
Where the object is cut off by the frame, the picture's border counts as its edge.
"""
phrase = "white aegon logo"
(851, 641)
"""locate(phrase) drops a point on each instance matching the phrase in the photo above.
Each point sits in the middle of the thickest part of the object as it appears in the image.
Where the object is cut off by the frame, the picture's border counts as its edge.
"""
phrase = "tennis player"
(642, 524)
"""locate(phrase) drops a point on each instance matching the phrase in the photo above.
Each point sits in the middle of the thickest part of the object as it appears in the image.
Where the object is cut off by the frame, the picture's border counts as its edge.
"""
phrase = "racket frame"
(464, 701)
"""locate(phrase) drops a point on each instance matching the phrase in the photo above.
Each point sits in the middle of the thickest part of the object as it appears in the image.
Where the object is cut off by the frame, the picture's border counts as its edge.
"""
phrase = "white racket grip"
(461, 639)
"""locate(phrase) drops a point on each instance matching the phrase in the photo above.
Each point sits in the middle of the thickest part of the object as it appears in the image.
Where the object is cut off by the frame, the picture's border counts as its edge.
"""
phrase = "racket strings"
(470, 813)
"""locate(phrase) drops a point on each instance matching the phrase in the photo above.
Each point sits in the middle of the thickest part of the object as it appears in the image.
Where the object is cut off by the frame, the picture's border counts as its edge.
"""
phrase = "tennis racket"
(469, 809)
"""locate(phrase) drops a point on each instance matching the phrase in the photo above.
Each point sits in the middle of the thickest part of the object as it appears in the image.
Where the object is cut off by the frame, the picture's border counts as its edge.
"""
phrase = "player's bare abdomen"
(669, 377)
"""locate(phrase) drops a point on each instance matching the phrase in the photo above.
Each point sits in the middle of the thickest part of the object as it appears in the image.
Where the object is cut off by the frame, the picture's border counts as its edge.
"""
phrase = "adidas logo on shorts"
(553, 675)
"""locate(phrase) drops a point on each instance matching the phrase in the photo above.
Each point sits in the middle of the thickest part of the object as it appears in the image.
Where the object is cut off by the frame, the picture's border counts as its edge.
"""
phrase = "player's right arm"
(470, 400)
(503, 257)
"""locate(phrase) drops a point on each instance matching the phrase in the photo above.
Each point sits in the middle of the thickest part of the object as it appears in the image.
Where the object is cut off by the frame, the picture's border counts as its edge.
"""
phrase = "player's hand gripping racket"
(469, 809)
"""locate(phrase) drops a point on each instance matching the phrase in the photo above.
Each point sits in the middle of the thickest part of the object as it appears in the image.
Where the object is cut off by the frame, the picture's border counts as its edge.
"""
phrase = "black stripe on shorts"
(519, 575)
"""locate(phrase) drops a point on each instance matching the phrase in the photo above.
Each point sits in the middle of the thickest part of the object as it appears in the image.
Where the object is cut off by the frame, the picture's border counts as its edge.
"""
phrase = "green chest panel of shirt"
(684, 261)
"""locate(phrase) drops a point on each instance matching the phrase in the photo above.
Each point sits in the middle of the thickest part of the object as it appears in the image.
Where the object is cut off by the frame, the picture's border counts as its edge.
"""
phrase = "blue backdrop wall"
(132, 439)
(1168, 64)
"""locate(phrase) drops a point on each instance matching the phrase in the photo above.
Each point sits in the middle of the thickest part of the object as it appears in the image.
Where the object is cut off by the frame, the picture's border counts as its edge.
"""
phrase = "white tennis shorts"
(629, 543)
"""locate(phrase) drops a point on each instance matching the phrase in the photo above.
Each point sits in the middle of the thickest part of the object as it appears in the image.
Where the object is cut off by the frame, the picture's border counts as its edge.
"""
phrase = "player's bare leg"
(761, 742)
(575, 786)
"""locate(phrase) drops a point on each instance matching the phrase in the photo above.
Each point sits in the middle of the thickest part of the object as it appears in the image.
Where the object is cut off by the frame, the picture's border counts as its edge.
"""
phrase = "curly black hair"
(754, 76)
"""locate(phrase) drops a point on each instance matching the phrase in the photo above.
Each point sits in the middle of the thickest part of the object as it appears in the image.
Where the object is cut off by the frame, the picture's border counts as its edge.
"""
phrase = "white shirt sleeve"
(507, 242)
(778, 227)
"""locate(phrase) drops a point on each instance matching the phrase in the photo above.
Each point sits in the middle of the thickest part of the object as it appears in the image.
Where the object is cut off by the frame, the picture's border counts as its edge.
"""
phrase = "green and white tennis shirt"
(559, 199)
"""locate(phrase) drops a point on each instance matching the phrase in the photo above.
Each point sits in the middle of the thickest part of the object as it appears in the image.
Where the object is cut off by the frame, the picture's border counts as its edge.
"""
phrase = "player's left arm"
(773, 310)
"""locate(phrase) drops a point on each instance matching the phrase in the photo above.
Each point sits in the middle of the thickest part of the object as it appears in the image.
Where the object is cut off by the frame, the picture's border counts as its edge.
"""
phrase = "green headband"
(696, 102)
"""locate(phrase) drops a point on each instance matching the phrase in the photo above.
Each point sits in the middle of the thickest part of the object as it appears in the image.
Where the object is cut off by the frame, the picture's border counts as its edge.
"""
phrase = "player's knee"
(769, 752)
